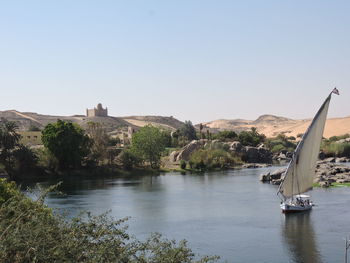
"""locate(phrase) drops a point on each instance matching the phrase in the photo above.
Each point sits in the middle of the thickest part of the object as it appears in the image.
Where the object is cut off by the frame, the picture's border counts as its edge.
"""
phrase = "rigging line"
(297, 180)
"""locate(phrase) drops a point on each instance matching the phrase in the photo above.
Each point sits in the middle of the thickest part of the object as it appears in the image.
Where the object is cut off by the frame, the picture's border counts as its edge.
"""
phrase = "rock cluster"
(255, 165)
(186, 151)
(326, 174)
(248, 154)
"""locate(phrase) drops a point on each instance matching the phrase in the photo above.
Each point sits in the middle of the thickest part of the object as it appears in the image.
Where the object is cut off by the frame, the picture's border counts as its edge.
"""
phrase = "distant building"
(30, 138)
(97, 112)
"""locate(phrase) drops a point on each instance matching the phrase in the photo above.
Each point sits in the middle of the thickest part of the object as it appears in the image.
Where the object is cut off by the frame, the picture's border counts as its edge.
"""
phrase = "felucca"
(300, 172)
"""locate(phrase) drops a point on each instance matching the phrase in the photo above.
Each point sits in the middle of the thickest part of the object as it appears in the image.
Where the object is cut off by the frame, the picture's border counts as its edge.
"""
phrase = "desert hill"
(271, 125)
(165, 122)
(27, 119)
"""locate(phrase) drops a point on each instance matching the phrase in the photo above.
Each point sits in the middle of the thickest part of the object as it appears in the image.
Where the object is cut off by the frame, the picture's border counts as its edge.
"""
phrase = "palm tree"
(9, 139)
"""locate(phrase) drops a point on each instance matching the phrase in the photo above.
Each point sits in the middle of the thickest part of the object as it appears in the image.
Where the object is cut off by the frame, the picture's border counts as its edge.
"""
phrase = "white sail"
(301, 170)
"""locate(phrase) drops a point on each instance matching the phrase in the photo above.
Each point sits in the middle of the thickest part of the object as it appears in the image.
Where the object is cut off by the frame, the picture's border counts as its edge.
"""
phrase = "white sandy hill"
(26, 119)
(271, 125)
(169, 123)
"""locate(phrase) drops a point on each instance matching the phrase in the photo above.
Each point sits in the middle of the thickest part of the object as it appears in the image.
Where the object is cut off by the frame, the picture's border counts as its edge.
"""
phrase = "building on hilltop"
(97, 112)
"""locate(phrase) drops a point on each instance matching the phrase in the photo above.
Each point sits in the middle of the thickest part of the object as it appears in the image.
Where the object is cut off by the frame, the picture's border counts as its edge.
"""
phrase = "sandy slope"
(273, 125)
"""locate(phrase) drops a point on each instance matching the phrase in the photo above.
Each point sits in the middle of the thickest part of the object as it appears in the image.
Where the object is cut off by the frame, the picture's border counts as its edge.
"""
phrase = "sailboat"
(300, 172)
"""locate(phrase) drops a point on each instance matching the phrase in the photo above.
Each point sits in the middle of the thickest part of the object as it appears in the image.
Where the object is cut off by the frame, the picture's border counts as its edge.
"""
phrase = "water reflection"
(299, 236)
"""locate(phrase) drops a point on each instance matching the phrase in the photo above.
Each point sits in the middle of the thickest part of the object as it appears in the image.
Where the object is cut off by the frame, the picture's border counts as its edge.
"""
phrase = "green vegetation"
(25, 159)
(9, 139)
(215, 156)
(148, 144)
(333, 148)
(333, 185)
(184, 135)
(128, 159)
(225, 136)
(67, 142)
(281, 143)
(15, 158)
(183, 164)
(31, 232)
(251, 138)
(99, 142)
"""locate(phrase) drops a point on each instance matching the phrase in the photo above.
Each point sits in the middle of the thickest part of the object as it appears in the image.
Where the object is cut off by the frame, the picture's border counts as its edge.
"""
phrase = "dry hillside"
(271, 125)
(26, 119)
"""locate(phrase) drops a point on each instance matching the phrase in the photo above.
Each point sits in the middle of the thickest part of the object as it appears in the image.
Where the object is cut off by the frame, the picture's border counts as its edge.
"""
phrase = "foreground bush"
(31, 232)
(206, 159)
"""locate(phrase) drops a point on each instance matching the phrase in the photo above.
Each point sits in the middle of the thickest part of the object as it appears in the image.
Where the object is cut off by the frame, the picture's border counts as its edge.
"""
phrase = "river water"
(230, 214)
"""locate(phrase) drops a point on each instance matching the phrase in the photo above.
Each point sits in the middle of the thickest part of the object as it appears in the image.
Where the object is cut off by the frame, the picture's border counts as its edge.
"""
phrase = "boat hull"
(293, 208)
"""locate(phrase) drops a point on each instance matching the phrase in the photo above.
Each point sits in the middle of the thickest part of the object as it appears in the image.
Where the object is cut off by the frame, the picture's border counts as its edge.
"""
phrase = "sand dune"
(271, 125)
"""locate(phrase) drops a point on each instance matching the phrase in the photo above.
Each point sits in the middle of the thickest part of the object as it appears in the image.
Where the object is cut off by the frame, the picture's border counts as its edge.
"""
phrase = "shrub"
(128, 159)
(226, 136)
(336, 149)
(280, 143)
(47, 160)
(25, 159)
(204, 159)
(183, 164)
(251, 138)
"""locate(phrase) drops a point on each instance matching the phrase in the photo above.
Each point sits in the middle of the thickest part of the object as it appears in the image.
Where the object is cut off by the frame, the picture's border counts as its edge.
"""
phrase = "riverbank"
(327, 174)
(227, 213)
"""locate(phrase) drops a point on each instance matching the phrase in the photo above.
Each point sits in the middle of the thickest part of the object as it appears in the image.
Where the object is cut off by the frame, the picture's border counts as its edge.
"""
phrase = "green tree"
(99, 141)
(251, 138)
(226, 135)
(25, 159)
(9, 138)
(128, 159)
(149, 143)
(67, 142)
(281, 142)
(187, 130)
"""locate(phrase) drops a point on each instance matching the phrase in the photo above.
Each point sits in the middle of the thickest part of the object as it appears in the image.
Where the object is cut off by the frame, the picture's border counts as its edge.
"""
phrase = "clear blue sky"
(196, 60)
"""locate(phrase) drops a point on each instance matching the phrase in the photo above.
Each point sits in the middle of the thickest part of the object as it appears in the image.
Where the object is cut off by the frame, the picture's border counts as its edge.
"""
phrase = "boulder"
(276, 181)
(341, 160)
(282, 156)
(251, 154)
(265, 177)
(173, 156)
(186, 151)
(329, 160)
(254, 165)
(235, 147)
(325, 184)
(342, 181)
(277, 174)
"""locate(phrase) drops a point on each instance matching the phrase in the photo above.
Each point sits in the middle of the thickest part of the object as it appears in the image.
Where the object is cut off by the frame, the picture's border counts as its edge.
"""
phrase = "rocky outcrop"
(275, 175)
(282, 156)
(256, 155)
(247, 153)
(186, 151)
(326, 174)
(255, 165)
